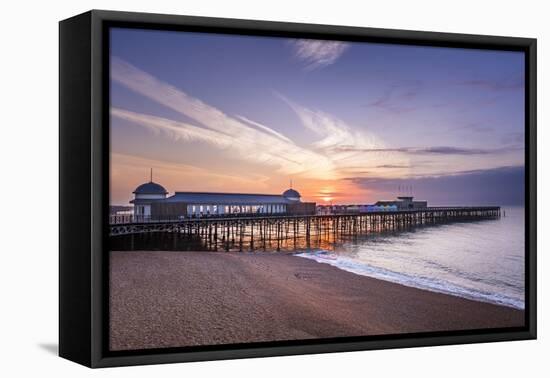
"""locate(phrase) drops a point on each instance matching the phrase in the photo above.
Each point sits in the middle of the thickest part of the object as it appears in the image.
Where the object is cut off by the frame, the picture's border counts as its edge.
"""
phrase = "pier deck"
(269, 232)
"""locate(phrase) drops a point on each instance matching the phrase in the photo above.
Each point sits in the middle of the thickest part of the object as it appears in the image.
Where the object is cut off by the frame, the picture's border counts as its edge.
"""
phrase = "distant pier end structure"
(151, 202)
(404, 203)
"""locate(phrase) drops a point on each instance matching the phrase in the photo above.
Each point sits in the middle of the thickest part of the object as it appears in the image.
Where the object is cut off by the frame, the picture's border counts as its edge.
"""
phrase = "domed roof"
(291, 194)
(150, 188)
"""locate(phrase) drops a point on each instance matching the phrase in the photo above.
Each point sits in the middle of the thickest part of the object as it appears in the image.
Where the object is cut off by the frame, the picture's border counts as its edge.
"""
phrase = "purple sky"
(347, 122)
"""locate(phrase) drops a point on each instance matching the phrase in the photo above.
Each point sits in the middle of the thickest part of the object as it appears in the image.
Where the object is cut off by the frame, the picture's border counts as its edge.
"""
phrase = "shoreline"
(469, 294)
(174, 299)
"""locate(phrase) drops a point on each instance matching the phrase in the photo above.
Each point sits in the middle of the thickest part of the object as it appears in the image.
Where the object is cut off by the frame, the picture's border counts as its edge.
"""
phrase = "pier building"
(151, 201)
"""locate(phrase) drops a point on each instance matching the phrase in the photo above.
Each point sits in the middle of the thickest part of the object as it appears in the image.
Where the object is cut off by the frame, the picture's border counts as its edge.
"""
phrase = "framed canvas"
(235, 188)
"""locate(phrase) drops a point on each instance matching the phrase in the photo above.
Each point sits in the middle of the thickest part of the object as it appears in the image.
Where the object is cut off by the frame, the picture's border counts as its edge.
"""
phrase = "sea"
(481, 260)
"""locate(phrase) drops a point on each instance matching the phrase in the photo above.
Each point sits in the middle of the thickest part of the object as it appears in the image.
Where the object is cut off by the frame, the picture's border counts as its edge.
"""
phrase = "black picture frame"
(84, 186)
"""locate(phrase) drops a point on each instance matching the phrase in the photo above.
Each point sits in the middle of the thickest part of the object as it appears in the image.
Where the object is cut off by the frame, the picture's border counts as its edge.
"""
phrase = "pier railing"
(138, 219)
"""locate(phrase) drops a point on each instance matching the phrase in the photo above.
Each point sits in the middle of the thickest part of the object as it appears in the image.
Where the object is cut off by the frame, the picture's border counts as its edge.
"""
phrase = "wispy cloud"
(506, 84)
(287, 157)
(264, 128)
(392, 166)
(252, 141)
(336, 134)
(175, 129)
(399, 97)
(318, 53)
(435, 174)
(438, 150)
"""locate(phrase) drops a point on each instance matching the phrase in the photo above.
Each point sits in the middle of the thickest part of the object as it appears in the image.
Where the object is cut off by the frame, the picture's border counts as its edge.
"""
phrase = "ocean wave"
(420, 282)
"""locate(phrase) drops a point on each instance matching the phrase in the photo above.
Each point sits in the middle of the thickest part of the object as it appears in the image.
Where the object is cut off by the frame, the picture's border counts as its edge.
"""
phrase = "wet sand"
(174, 299)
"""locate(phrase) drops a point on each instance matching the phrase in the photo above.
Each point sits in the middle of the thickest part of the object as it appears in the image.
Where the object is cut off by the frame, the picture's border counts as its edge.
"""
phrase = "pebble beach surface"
(178, 299)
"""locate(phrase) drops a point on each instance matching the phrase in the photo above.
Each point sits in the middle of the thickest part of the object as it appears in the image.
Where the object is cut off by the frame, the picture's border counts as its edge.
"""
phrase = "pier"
(262, 232)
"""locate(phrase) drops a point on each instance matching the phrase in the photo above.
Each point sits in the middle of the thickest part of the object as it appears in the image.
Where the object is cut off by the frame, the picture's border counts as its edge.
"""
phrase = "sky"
(346, 122)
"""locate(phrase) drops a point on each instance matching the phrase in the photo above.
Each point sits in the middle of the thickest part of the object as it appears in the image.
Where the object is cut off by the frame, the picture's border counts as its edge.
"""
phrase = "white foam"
(420, 282)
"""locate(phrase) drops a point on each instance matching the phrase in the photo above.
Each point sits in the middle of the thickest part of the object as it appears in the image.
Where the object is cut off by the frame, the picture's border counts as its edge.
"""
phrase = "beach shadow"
(50, 348)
